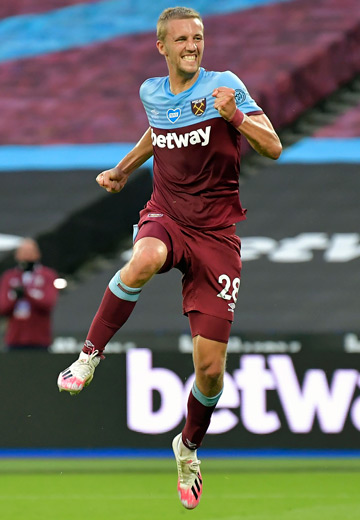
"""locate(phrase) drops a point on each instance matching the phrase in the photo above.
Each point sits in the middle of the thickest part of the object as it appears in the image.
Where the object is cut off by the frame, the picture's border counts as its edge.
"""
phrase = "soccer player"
(196, 120)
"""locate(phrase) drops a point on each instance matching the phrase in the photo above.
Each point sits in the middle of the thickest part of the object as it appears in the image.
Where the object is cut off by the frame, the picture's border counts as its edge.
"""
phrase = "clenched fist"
(225, 102)
(112, 180)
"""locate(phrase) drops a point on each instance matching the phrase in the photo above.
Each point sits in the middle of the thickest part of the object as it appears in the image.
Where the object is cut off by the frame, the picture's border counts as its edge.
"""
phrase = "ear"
(161, 47)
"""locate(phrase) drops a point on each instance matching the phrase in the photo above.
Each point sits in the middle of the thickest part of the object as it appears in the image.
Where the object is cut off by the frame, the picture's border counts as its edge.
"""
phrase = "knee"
(146, 261)
(150, 259)
(211, 371)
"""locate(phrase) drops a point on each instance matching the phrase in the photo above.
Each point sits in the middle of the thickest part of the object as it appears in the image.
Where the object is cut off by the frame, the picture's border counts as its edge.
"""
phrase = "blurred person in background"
(197, 118)
(27, 300)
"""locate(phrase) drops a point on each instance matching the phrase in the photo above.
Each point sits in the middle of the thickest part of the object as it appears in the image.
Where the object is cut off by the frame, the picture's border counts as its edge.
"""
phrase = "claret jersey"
(196, 152)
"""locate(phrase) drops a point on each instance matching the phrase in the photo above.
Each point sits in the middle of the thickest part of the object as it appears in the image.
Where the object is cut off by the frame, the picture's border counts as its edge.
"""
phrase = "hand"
(112, 180)
(19, 291)
(225, 102)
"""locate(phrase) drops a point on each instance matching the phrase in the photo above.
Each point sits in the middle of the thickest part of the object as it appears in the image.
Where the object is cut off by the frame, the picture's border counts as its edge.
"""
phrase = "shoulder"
(9, 273)
(242, 97)
(48, 272)
(223, 79)
(7, 277)
(151, 86)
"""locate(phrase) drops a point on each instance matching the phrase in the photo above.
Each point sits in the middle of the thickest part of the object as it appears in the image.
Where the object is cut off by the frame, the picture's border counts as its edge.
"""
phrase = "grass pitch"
(234, 489)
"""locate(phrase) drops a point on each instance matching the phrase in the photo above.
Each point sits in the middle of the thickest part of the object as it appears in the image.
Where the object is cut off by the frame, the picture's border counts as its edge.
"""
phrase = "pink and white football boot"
(189, 477)
(80, 374)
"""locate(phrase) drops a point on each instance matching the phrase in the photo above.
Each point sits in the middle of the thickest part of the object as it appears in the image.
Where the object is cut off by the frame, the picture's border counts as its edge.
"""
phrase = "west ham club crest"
(198, 106)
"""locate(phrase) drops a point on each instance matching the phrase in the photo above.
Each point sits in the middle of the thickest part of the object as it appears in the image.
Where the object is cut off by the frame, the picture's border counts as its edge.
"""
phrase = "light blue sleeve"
(242, 97)
(149, 96)
(143, 90)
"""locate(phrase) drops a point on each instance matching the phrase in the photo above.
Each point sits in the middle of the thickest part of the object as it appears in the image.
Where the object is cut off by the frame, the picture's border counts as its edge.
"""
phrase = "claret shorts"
(209, 261)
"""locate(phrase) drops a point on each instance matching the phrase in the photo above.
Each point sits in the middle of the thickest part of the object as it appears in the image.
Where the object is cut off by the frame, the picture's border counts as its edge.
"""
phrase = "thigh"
(212, 280)
(153, 229)
(159, 225)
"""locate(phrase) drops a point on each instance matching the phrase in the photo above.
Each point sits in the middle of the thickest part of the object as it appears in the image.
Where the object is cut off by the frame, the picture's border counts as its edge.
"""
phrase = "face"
(183, 47)
(28, 251)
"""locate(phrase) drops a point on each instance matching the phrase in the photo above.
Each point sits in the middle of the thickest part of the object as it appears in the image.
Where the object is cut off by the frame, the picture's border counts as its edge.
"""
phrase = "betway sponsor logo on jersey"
(174, 140)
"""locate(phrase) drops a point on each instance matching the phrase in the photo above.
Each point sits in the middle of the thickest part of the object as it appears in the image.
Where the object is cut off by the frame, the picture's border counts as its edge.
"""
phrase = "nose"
(192, 46)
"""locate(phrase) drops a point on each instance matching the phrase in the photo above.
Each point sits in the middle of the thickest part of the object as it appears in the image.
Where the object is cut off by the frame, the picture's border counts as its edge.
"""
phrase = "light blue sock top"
(203, 399)
(122, 291)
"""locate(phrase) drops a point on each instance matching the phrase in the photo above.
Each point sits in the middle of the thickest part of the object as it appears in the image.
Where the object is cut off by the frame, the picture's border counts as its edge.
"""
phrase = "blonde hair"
(174, 13)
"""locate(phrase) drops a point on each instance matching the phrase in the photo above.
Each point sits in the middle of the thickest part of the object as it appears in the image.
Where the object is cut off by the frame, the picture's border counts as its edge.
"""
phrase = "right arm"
(114, 180)
(7, 296)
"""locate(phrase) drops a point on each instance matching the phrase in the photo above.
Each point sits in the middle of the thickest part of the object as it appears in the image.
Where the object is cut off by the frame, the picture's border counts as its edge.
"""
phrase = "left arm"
(261, 135)
(257, 129)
